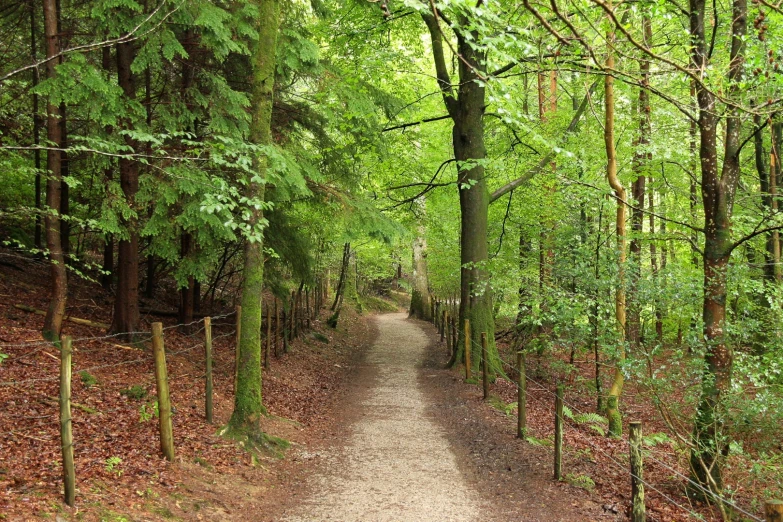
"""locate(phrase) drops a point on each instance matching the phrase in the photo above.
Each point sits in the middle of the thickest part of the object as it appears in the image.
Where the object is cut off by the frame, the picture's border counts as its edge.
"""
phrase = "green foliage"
(135, 392)
(88, 379)
(113, 465)
(580, 481)
(148, 411)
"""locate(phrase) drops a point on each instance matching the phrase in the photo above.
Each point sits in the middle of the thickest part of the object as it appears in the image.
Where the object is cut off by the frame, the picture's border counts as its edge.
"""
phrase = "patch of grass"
(378, 304)
(539, 442)
(203, 463)
(162, 511)
(108, 515)
(580, 481)
(320, 337)
(135, 392)
(88, 379)
(500, 405)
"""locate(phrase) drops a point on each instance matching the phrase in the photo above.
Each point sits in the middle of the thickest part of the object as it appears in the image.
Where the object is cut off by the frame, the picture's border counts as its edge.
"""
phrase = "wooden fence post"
(236, 350)
(164, 401)
(484, 364)
(454, 336)
(443, 316)
(66, 429)
(277, 327)
(637, 472)
(284, 319)
(773, 511)
(467, 349)
(559, 432)
(268, 335)
(521, 396)
(448, 333)
(208, 357)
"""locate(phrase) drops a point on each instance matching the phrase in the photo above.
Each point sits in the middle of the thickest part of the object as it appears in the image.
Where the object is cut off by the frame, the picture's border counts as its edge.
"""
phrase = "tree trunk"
(248, 405)
(718, 189)
(420, 296)
(641, 162)
(613, 399)
(126, 303)
(36, 127)
(59, 289)
(108, 261)
(768, 183)
(65, 170)
(466, 109)
(186, 292)
(340, 290)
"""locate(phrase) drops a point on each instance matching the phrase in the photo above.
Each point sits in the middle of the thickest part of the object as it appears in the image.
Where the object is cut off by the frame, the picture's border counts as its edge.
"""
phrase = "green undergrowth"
(500, 405)
(580, 481)
(378, 304)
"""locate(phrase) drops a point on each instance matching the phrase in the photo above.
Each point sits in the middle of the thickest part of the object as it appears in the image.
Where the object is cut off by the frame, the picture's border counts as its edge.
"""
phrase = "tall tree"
(718, 188)
(465, 106)
(126, 302)
(56, 311)
(248, 405)
(613, 399)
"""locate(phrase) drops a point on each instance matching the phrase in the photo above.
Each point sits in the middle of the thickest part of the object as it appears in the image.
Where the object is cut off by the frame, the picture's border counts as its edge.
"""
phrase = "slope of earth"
(120, 474)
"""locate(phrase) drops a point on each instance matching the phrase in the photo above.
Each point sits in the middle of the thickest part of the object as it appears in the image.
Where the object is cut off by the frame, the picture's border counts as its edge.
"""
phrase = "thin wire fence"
(147, 337)
(112, 336)
(577, 411)
(103, 366)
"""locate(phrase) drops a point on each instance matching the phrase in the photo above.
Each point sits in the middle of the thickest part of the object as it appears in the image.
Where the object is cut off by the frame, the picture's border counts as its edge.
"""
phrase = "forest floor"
(373, 415)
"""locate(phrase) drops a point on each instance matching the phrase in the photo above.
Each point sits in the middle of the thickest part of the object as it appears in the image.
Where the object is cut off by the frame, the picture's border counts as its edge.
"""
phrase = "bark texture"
(466, 110)
(126, 303)
(420, 296)
(718, 190)
(248, 405)
(613, 400)
(59, 282)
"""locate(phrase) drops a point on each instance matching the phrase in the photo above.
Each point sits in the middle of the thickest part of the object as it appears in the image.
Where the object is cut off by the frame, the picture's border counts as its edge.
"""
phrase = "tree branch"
(508, 187)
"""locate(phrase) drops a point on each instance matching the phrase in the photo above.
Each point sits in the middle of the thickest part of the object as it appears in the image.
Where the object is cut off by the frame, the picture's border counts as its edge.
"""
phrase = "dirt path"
(396, 464)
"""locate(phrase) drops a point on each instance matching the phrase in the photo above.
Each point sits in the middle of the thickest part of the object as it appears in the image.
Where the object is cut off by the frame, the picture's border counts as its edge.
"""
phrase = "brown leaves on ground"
(119, 468)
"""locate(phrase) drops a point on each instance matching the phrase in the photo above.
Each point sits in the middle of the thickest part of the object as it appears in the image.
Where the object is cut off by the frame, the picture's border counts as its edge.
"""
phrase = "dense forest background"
(592, 182)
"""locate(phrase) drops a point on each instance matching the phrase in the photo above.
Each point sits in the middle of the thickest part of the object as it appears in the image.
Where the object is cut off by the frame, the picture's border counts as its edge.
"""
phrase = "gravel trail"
(397, 464)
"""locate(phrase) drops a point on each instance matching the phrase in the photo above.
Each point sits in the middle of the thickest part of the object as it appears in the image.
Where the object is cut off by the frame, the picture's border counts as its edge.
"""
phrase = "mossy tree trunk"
(420, 296)
(641, 161)
(248, 405)
(466, 110)
(616, 389)
(718, 186)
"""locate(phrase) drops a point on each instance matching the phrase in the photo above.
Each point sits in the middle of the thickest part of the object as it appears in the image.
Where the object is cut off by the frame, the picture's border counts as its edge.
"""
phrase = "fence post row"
(208, 358)
(559, 432)
(637, 472)
(164, 401)
(66, 429)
